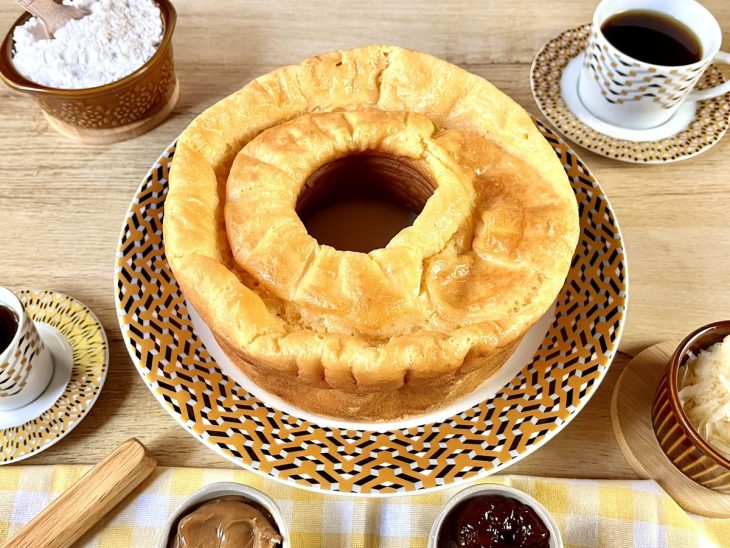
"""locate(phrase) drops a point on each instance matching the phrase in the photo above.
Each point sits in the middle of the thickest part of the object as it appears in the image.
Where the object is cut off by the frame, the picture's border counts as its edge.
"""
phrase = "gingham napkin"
(588, 512)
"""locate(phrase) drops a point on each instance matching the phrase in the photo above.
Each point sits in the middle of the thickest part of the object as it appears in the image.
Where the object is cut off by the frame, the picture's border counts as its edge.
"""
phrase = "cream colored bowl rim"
(220, 489)
(556, 540)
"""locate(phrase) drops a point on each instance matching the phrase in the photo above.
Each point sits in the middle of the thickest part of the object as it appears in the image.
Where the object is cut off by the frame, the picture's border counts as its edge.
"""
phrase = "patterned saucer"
(706, 126)
(58, 314)
(541, 399)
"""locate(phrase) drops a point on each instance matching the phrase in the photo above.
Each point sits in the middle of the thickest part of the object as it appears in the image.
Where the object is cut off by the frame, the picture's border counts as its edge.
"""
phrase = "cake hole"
(360, 202)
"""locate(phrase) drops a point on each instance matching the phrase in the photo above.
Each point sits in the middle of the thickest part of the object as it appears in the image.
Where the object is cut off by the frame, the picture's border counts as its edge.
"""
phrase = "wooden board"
(62, 202)
(631, 405)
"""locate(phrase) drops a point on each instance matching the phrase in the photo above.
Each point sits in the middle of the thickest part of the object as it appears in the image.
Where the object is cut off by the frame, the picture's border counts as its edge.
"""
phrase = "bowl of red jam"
(494, 516)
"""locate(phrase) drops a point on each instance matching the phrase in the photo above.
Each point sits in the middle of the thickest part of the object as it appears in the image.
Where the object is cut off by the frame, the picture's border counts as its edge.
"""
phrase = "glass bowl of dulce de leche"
(226, 514)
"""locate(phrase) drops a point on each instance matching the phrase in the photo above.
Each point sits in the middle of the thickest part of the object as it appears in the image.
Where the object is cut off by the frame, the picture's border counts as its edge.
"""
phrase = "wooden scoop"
(88, 500)
(53, 15)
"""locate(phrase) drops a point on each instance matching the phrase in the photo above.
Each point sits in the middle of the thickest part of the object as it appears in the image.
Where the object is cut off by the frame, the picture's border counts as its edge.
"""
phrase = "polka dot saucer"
(78, 345)
(692, 130)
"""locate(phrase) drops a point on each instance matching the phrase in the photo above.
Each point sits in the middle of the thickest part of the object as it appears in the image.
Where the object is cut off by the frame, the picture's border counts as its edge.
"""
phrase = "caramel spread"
(225, 522)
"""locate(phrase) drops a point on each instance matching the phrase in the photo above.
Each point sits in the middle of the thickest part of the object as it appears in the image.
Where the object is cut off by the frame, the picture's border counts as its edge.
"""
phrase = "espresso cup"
(26, 365)
(634, 94)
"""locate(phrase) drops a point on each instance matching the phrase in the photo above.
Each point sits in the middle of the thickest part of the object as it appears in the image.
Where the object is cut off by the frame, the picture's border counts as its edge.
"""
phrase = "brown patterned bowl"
(122, 104)
(679, 440)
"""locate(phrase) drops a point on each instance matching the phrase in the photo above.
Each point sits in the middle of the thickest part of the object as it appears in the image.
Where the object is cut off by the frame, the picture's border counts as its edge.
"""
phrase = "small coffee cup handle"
(702, 94)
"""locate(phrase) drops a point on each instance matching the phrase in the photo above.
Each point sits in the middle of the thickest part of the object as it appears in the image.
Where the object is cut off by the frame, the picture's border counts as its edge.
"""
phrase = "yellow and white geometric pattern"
(85, 334)
(623, 79)
(588, 512)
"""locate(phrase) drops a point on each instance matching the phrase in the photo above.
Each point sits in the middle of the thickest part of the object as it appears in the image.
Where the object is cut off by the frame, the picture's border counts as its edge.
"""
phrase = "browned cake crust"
(449, 296)
(373, 407)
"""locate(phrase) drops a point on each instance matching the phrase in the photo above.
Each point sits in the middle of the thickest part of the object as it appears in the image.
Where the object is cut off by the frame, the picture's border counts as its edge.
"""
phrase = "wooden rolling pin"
(74, 512)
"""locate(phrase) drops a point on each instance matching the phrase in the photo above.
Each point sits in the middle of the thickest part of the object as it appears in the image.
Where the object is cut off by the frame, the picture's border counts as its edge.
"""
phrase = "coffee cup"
(628, 92)
(26, 365)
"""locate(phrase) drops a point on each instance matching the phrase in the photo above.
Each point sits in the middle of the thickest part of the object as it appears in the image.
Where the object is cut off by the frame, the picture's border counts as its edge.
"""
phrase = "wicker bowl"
(679, 440)
(111, 112)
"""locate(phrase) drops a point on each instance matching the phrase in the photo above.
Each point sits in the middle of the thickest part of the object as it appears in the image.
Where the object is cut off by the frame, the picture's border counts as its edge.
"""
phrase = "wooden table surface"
(62, 203)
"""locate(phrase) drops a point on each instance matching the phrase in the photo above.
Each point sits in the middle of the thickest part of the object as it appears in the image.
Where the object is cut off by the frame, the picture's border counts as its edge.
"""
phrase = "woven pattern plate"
(84, 333)
(565, 371)
(708, 127)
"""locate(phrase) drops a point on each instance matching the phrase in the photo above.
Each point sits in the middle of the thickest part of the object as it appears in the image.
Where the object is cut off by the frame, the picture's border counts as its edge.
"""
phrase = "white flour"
(114, 40)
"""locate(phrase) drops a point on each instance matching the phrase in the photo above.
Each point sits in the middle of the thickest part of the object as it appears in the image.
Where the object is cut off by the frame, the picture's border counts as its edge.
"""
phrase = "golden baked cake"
(401, 330)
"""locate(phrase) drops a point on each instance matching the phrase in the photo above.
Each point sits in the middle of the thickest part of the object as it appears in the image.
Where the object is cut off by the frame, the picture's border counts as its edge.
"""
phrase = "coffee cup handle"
(702, 94)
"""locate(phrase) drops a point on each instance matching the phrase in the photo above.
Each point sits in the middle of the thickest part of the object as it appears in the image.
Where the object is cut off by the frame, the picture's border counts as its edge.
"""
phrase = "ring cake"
(401, 330)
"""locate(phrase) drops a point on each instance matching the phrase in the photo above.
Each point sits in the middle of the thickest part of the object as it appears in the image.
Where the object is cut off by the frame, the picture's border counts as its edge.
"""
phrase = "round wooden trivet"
(116, 134)
(631, 418)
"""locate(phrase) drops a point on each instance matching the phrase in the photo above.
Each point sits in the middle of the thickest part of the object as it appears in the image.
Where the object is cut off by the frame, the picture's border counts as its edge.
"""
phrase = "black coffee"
(8, 326)
(653, 37)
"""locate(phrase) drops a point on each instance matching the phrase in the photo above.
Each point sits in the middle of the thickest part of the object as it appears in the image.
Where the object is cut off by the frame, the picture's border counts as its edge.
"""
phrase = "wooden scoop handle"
(53, 15)
(74, 512)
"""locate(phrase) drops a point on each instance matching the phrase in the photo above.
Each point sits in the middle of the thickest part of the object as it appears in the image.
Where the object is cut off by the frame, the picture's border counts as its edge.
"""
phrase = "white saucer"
(569, 91)
(80, 352)
(62, 356)
(695, 128)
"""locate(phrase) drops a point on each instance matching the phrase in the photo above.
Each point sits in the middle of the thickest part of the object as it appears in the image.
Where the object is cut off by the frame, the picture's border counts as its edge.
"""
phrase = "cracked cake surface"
(401, 329)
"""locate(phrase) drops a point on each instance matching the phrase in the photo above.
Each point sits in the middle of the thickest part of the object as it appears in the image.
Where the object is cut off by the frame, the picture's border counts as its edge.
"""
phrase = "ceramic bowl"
(556, 540)
(135, 97)
(222, 489)
(679, 440)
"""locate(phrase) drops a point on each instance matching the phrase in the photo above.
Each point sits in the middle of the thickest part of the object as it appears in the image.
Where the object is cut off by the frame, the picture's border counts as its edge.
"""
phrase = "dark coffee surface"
(8, 326)
(652, 37)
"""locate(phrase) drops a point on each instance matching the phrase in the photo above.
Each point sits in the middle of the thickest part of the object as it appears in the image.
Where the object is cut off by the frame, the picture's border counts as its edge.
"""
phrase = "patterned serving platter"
(711, 119)
(549, 391)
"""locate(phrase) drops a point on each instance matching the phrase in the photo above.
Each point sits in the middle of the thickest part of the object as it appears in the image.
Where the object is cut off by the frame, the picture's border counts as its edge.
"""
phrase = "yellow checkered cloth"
(588, 512)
